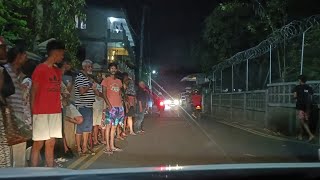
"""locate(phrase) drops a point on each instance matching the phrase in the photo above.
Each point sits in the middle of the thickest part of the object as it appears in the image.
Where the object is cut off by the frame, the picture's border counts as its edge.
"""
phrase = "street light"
(150, 78)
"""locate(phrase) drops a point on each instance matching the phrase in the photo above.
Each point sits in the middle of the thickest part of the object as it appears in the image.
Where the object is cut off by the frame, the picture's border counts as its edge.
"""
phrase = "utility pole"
(150, 74)
(141, 41)
(149, 61)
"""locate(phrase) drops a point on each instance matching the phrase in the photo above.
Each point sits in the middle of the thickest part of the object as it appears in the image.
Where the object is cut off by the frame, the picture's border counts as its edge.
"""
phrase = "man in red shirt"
(46, 104)
(196, 98)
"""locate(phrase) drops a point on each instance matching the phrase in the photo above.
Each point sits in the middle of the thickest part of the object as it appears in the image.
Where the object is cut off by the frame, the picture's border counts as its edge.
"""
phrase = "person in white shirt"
(97, 110)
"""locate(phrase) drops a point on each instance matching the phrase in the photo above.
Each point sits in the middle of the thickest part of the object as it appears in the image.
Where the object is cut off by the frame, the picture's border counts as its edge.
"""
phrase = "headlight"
(176, 102)
(167, 102)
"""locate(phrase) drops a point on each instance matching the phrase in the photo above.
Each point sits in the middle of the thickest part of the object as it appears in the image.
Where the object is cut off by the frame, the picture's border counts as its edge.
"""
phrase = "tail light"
(198, 107)
(161, 103)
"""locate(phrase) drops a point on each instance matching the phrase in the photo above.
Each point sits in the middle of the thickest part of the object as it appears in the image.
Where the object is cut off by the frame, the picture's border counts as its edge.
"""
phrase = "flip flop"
(311, 138)
(97, 144)
(117, 150)
(120, 138)
(106, 151)
(133, 134)
(79, 153)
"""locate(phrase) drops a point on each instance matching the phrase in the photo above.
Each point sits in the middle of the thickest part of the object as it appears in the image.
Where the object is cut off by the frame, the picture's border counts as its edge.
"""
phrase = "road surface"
(173, 140)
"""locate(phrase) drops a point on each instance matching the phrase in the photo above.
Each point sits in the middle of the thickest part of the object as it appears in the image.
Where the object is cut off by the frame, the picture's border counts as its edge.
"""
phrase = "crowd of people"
(36, 99)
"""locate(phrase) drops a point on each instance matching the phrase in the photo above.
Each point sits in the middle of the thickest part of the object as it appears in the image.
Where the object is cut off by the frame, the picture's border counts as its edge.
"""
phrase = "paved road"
(172, 140)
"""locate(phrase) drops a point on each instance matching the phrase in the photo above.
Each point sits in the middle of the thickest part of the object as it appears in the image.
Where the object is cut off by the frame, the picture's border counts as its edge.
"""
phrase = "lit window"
(76, 19)
(80, 24)
(83, 25)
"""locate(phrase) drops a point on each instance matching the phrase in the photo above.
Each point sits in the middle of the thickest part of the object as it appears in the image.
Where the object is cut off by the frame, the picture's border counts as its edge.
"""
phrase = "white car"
(171, 102)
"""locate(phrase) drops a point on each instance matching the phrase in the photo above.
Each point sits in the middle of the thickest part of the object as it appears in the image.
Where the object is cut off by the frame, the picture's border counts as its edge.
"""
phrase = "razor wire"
(287, 32)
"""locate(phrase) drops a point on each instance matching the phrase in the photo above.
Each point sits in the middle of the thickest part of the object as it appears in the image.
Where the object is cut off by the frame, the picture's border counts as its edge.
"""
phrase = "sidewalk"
(251, 127)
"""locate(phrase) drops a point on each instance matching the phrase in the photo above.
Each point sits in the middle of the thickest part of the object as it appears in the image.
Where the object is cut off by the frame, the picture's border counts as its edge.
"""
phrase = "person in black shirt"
(142, 100)
(303, 95)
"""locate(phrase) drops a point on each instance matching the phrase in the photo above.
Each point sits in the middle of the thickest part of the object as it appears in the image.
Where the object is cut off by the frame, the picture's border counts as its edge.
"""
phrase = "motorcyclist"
(196, 99)
(159, 98)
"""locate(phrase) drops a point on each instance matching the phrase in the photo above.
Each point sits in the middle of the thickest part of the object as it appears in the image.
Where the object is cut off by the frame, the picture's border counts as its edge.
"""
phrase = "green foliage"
(59, 21)
(230, 28)
(311, 61)
(39, 20)
(13, 23)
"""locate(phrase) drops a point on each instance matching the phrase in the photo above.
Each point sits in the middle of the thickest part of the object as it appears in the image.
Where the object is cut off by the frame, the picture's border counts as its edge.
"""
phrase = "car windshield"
(100, 84)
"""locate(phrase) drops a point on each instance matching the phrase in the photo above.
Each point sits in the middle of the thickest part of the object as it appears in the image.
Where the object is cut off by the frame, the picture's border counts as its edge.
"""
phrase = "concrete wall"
(232, 108)
(236, 115)
(282, 119)
(277, 119)
(97, 24)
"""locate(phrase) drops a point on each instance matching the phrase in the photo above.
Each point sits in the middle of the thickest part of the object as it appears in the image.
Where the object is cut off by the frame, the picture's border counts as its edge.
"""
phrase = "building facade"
(106, 37)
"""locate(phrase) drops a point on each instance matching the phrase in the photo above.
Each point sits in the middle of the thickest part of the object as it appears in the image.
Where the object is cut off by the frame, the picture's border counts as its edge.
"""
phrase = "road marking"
(208, 136)
(254, 131)
(92, 159)
(76, 163)
(80, 160)
(251, 155)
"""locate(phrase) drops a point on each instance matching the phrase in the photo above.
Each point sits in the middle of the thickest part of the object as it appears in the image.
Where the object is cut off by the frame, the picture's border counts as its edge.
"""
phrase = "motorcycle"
(197, 111)
(161, 107)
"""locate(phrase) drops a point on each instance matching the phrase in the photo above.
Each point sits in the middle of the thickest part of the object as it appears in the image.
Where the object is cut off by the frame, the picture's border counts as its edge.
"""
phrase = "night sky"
(171, 27)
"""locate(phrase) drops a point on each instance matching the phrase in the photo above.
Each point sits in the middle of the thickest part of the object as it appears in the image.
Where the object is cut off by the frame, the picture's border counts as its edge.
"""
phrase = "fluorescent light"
(112, 19)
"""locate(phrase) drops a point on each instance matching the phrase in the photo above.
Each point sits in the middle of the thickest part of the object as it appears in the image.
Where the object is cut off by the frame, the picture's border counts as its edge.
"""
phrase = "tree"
(274, 14)
(311, 55)
(13, 22)
(38, 20)
(231, 28)
(61, 16)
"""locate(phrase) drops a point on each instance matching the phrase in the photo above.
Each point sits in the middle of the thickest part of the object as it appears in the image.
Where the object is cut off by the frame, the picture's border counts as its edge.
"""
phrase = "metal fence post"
(232, 91)
(213, 82)
(270, 65)
(247, 76)
(221, 81)
(211, 103)
(247, 89)
(266, 110)
(232, 86)
(302, 50)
